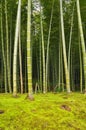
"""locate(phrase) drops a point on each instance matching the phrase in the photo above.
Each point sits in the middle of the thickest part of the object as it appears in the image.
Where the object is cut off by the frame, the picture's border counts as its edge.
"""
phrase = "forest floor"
(50, 111)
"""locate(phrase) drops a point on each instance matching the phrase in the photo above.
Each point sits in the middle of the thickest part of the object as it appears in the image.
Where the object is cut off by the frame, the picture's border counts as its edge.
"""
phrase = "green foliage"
(44, 113)
(55, 40)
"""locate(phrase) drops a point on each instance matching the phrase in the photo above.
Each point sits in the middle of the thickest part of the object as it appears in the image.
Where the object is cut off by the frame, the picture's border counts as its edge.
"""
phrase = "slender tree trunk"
(53, 77)
(82, 39)
(16, 50)
(37, 59)
(3, 53)
(62, 75)
(48, 43)
(43, 53)
(72, 72)
(40, 66)
(7, 43)
(64, 50)
(20, 61)
(25, 74)
(70, 39)
(70, 43)
(59, 81)
(55, 70)
(80, 55)
(80, 70)
(29, 59)
(11, 38)
(71, 77)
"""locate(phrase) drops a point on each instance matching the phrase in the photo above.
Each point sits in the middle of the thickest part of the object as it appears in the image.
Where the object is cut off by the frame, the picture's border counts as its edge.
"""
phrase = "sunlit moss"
(44, 113)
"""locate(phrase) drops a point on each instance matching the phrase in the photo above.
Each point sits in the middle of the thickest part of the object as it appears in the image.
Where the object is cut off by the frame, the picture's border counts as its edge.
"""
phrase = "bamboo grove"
(42, 46)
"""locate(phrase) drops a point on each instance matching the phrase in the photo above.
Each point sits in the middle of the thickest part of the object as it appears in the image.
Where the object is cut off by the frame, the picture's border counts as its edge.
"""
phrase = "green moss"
(44, 113)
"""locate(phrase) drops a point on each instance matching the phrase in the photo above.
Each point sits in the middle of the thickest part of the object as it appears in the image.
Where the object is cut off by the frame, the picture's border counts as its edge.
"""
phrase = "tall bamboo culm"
(29, 59)
(64, 49)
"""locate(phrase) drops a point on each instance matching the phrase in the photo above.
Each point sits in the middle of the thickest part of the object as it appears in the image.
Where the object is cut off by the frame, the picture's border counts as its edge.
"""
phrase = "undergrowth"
(49, 111)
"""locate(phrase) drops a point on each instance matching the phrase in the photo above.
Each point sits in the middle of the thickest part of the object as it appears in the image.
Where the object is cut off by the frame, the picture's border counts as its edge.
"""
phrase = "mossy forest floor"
(50, 111)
